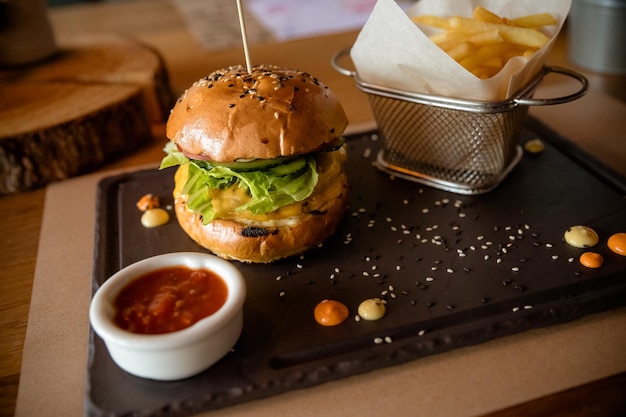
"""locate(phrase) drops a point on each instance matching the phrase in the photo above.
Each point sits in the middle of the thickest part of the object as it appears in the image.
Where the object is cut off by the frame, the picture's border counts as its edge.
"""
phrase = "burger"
(260, 161)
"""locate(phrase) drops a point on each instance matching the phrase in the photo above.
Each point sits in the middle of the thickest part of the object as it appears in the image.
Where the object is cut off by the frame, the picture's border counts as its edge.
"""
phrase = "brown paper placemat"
(464, 382)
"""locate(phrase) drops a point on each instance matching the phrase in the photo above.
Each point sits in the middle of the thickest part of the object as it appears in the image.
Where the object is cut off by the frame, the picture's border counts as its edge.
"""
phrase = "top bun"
(272, 112)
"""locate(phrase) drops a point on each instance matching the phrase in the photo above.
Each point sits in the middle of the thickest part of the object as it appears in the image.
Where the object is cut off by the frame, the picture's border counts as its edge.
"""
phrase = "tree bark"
(90, 104)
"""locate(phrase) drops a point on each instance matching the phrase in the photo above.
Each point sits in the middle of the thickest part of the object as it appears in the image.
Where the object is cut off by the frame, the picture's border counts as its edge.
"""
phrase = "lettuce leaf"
(269, 188)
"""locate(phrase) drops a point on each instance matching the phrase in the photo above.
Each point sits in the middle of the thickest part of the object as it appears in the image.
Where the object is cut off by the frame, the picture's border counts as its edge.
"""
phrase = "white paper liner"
(392, 51)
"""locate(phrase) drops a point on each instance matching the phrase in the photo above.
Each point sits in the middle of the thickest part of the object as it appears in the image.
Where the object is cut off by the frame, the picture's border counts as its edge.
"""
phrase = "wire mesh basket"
(462, 146)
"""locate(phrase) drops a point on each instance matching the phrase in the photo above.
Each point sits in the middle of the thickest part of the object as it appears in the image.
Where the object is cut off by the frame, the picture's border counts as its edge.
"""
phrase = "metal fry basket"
(462, 146)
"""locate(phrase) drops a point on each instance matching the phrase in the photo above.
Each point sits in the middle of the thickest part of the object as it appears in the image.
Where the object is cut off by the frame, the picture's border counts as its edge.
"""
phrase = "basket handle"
(584, 87)
(334, 61)
(584, 83)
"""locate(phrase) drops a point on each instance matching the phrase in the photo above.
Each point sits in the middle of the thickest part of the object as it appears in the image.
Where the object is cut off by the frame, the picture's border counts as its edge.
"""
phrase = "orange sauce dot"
(147, 202)
(617, 243)
(591, 260)
(330, 313)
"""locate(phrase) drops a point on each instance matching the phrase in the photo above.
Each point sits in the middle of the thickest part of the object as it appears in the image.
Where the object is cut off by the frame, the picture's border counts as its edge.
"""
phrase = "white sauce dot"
(581, 236)
(372, 309)
(154, 217)
(534, 146)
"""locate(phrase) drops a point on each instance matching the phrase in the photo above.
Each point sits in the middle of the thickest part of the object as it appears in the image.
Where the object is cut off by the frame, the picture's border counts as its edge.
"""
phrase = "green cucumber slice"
(334, 145)
(260, 164)
(292, 167)
(253, 165)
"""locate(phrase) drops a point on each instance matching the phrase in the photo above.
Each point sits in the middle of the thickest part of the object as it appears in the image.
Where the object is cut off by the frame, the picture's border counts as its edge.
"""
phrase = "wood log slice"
(91, 103)
(106, 59)
(49, 132)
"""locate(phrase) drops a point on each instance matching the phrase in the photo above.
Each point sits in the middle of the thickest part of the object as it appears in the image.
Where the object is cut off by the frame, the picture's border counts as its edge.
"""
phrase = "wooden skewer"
(244, 36)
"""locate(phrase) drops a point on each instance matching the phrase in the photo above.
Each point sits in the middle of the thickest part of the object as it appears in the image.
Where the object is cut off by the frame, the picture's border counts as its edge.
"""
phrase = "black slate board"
(421, 249)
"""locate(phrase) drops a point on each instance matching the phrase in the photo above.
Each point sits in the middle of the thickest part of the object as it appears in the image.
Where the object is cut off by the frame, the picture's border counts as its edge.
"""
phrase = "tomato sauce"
(169, 299)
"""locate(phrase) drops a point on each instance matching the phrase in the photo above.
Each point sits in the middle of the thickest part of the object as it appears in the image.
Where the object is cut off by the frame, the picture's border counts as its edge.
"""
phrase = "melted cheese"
(180, 178)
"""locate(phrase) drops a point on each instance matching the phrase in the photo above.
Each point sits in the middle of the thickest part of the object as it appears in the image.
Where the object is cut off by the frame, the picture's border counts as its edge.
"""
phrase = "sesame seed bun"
(231, 115)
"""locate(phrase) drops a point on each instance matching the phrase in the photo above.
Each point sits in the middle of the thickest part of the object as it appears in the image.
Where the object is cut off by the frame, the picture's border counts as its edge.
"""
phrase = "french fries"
(485, 42)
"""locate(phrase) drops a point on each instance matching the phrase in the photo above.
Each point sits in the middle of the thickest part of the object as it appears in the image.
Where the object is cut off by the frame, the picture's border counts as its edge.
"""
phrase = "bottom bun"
(232, 240)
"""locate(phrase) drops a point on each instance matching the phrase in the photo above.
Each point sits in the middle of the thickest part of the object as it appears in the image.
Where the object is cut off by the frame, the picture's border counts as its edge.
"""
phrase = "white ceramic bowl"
(179, 354)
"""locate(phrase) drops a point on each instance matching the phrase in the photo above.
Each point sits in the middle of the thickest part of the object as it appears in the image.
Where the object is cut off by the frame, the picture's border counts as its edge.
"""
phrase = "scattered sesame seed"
(388, 339)
(378, 340)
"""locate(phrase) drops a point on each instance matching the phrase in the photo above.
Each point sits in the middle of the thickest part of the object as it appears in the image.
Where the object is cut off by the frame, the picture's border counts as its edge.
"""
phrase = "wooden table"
(160, 26)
